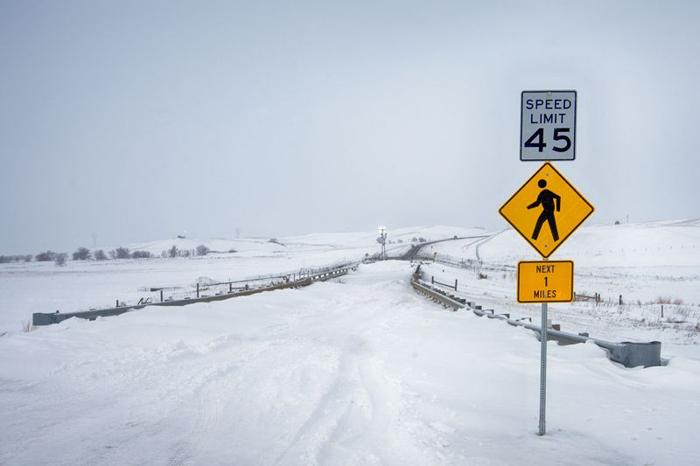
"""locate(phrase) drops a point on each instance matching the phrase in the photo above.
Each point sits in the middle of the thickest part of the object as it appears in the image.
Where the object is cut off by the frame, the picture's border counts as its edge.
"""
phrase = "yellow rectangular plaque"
(545, 281)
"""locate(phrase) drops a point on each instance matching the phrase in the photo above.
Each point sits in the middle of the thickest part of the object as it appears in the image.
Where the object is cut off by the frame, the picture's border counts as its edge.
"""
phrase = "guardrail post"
(633, 354)
(161, 296)
(455, 284)
(198, 290)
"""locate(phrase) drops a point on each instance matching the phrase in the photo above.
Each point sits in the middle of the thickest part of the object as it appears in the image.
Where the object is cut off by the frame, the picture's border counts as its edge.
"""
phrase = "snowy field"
(643, 262)
(359, 370)
(26, 288)
(647, 264)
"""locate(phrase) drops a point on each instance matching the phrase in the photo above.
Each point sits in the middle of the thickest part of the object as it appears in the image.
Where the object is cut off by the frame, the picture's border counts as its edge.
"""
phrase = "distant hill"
(650, 244)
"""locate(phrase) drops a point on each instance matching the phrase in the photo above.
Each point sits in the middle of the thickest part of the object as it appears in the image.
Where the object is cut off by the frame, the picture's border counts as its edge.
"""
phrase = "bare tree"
(17, 258)
(120, 253)
(82, 254)
(60, 259)
(173, 252)
(202, 250)
(100, 255)
(46, 256)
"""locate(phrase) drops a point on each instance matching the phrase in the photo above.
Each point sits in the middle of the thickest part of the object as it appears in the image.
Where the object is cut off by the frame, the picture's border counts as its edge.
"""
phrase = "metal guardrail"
(627, 353)
(469, 264)
(415, 251)
(439, 296)
(308, 277)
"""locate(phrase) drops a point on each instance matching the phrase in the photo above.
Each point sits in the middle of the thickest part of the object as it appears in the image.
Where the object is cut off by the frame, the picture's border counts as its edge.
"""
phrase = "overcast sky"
(140, 120)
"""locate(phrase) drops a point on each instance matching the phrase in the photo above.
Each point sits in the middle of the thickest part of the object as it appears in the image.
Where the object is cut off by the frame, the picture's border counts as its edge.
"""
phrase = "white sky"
(140, 120)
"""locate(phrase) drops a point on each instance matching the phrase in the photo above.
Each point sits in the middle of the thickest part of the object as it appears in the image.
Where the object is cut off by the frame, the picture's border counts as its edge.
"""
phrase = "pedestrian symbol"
(546, 200)
(546, 210)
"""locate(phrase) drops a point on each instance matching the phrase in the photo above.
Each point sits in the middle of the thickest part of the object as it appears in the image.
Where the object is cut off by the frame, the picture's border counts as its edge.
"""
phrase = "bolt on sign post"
(546, 209)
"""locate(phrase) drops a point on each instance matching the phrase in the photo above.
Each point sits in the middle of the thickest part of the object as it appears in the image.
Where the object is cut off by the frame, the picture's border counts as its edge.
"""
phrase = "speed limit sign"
(547, 125)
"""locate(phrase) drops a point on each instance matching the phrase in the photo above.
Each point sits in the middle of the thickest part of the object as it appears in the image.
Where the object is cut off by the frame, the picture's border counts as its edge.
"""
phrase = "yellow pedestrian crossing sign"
(546, 210)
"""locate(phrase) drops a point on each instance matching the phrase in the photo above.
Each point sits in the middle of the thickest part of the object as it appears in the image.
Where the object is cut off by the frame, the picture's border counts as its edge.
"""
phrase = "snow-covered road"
(357, 371)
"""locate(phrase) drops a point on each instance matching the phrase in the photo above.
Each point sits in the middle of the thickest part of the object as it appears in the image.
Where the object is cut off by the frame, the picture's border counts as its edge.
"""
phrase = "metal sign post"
(542, 427)
(543, 371)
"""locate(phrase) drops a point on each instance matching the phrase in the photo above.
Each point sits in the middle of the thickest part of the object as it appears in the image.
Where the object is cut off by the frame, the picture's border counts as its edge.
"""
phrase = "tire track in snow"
(318, 430)
(358, 418)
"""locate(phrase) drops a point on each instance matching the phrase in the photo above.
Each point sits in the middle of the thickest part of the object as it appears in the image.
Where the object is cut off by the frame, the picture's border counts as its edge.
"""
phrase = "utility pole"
(382, 240)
